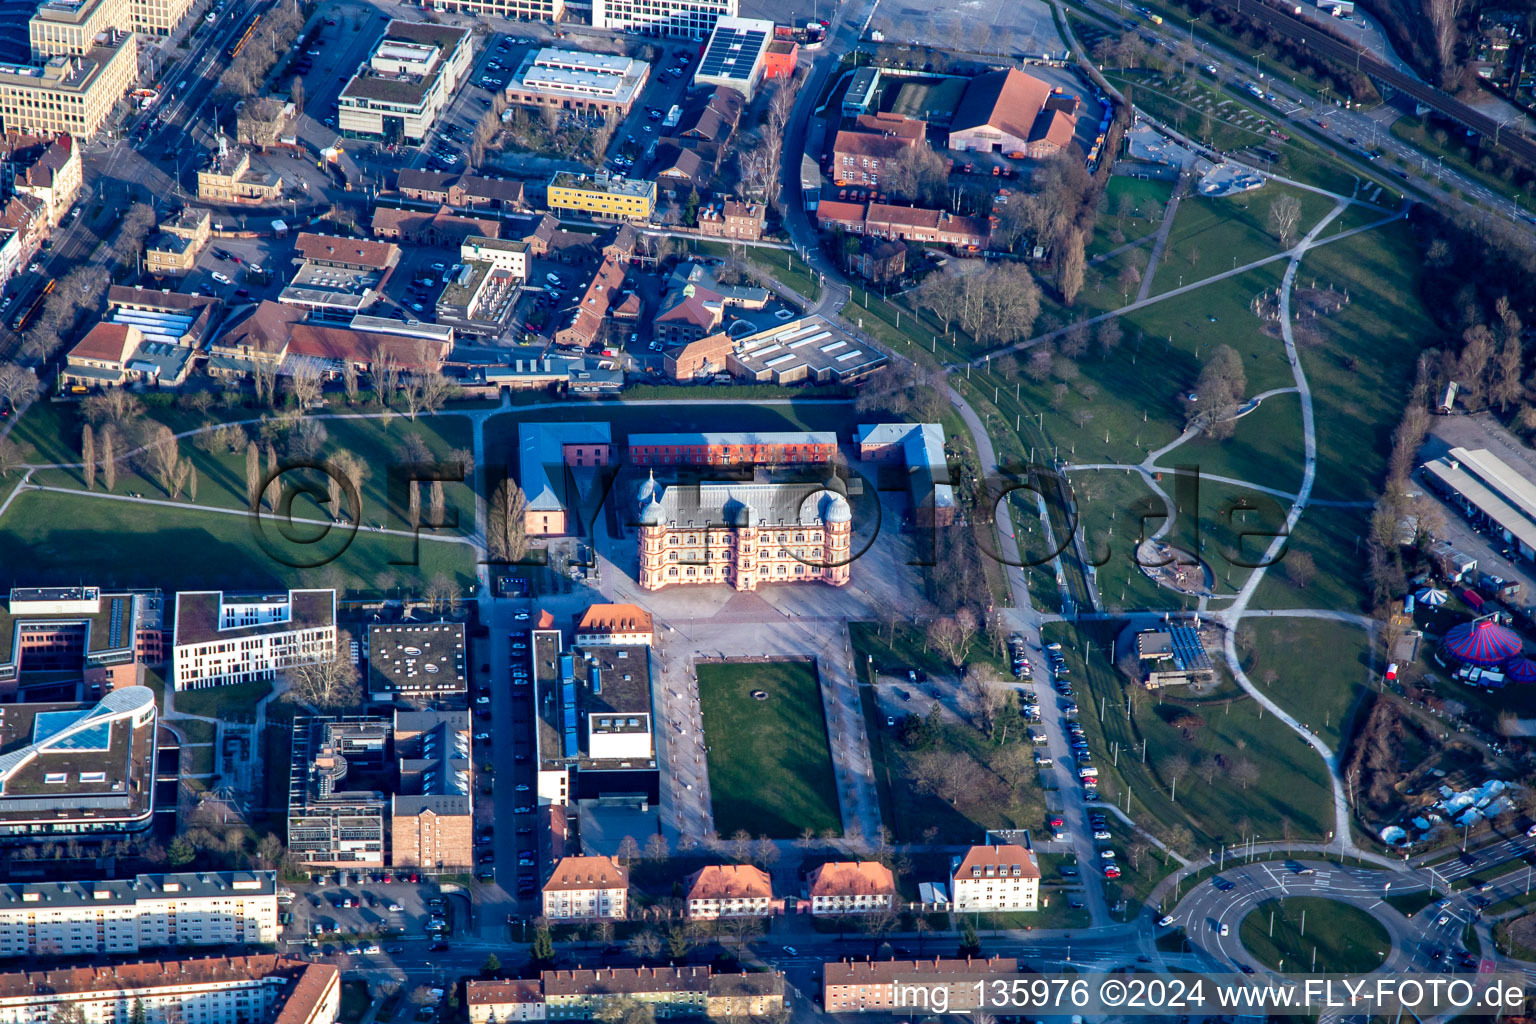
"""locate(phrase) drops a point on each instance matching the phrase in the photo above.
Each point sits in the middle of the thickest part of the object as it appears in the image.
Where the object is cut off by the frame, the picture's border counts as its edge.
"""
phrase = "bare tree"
(88, 457)
(506, 533)
(1071, 267)
(349, 381)
(12, 454)
(109, 459)
(330, 682)
(982, 695)
(304, 384)
(252, 473)
(18, 385)
(1284, 215)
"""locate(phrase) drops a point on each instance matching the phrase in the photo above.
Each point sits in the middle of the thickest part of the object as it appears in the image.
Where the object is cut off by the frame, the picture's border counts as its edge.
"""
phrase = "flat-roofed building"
(223, 638)
(336, 804)
(479, 298)
(507, 254)
(921, 447)
(432, 812)
(70, 27)
(260, 989)
(729, 890)
(996, 878)
(615, 625)
(522, 10)
(870, 986)
(69, 94)
(407, 82)
(679, 19)
(725, 448)
(810, 349)
(93, 918)
(417, 661)
(850, 887)
(585, 889)
(1489, 491)
(78, 770)
(735, 55)
(743, 535)
(546, 448)
(106, 636)
(594, 728)
(596, 83)
(603, 195)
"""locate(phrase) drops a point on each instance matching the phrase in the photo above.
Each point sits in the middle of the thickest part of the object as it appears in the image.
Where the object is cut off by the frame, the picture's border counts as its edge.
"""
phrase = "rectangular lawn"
(770, 765)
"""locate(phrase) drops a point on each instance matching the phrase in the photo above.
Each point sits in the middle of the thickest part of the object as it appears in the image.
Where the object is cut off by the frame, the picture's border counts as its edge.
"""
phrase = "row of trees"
(280, 26)
(995, 303)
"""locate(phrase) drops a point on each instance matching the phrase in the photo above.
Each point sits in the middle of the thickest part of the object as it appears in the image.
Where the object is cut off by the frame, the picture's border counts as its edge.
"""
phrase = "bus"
(233, 49)
(26, 316)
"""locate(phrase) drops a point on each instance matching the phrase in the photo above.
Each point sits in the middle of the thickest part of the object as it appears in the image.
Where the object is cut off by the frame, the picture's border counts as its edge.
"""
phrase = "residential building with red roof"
(261, 989)
(587, 889)
(850, 887)
(871, 986)
(729, 890)
(992, 878)
(46, 168)
(615, 624)
(586, 325)
(906, 223)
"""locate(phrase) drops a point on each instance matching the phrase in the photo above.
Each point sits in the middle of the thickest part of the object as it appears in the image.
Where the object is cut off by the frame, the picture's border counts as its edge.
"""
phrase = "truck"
(673, 117)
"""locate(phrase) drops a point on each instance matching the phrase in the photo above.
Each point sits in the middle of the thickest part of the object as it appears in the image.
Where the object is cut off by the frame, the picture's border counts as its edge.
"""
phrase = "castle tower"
(653, 538)
(838, 517)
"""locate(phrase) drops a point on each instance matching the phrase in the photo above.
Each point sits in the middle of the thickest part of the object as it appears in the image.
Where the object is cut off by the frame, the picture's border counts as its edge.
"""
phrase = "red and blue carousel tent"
(1483, 642)
(1521, 670)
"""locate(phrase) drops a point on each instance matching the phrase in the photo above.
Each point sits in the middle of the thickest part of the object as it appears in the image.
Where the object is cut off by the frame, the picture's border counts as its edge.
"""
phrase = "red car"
(388, 878)
(415, 878)
(1111, 872)
(1057, 822)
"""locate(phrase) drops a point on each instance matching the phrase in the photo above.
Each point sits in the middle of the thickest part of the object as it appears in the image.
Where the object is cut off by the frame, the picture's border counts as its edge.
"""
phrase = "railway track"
(1512, 141)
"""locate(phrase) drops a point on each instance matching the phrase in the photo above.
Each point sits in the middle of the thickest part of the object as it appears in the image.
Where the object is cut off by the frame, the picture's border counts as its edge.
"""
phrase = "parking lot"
(373, 912)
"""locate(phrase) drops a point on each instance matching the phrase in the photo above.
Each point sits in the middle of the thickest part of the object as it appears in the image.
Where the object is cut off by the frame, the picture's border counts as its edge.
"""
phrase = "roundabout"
(1314, 933)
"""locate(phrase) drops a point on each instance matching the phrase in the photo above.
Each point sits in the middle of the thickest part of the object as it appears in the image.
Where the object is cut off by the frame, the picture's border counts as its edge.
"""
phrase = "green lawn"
(770, 765)
(1128, 210)
(221, 474)
(1320, 669)
(1451, 152)
(1346, 940)
(197, 760)
(1335, 539)
(1265, 447)
(57, 538)
(237, 701)
(1361, 371)
(1213, 235)
(1290, 794)
(780, 264)
(194, 730)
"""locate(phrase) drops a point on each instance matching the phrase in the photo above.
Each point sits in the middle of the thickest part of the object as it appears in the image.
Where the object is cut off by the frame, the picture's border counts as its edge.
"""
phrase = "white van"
(221, 278)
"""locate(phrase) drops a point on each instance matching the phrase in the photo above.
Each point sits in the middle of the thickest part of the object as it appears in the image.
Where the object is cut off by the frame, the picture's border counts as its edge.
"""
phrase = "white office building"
(679, 19)
(409, 79)
(221, 639)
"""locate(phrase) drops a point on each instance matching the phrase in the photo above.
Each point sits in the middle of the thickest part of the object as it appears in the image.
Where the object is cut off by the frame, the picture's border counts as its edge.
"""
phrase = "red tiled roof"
(1006, 100)
(838, 212)
(359, 252)
(347, 345)
(891, 124)
(489, 993)
(881, 147)
(616, 618)
(729, 882)
(852, 878)
(579, 873)
(1005, 857)
(106, 342)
